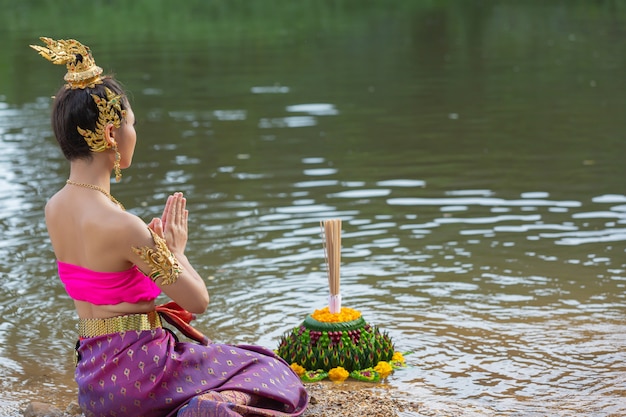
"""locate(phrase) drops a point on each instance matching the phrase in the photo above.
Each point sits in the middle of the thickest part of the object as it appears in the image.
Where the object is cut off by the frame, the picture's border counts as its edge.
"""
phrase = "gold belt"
(99, 327)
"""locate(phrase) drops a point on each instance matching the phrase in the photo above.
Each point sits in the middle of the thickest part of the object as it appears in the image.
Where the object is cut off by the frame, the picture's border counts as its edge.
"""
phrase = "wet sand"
(327, 399)
(350, 400)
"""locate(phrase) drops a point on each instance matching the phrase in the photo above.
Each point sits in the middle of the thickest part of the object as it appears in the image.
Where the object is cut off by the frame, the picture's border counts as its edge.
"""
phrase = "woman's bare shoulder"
(54, 204)
(117, 234)
(129, 226)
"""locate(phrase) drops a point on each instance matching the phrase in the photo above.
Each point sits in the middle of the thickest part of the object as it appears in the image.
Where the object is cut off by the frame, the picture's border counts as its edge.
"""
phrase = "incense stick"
(332, 251)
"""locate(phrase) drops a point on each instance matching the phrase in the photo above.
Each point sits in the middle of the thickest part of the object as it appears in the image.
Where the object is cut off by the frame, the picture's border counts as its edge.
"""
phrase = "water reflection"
(289, 121)
(314, 109)
(484, 218)
(488, 325)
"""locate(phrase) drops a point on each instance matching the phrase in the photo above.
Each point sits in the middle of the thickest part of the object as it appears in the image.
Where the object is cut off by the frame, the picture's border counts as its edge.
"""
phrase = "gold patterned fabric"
(101, 327)
(151, 374)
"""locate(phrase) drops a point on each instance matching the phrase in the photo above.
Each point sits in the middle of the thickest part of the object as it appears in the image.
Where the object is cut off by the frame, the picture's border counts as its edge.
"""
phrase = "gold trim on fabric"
(100, 327)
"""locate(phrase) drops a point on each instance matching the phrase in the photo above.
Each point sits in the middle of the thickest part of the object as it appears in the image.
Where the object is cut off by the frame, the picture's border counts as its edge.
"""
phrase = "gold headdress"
(82, 70)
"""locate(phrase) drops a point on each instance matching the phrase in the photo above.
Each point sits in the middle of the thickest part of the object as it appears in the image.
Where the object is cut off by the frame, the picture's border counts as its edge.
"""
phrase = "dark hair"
(74, 108)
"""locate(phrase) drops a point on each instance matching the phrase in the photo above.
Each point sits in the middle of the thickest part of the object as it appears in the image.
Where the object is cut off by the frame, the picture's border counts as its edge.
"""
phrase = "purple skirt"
(150, 374)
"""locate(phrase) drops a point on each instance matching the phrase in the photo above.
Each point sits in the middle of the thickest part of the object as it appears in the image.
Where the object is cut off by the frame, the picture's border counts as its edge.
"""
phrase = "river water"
(474, 154)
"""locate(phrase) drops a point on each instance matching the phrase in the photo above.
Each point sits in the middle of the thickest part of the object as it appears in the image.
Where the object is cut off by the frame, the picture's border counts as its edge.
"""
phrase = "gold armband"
(161, 260)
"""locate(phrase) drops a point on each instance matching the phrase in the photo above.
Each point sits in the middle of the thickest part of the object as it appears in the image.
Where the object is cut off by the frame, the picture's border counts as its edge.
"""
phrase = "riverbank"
(327, 400)
(346, 400)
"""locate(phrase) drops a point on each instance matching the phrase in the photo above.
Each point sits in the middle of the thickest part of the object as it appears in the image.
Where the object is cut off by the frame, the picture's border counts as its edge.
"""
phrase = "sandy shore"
(356, 400)
(347, 399)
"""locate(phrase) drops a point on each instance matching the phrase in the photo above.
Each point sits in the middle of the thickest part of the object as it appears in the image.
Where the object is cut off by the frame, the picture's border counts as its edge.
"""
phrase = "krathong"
(335, 342)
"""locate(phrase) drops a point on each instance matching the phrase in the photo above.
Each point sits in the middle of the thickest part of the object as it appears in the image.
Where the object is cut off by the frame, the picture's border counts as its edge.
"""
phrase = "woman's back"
(87, 231)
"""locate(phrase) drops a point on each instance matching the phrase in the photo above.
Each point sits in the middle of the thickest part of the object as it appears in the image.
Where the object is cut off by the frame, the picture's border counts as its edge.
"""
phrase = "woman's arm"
(160, 253)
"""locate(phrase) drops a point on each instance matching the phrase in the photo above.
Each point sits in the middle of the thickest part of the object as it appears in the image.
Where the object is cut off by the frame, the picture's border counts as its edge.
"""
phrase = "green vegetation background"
(196, 25)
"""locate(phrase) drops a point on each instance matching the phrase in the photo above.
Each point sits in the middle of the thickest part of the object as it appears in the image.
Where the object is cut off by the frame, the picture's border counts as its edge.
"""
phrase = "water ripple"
(414, 201)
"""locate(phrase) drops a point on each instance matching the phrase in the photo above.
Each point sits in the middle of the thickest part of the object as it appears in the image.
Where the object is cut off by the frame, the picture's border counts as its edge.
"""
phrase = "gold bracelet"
(162, 262)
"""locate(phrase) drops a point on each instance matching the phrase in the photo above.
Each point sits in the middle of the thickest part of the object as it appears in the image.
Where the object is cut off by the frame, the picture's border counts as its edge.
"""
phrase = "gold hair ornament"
(116, 164)
(162, 262)
(82, 70)
(109, 112)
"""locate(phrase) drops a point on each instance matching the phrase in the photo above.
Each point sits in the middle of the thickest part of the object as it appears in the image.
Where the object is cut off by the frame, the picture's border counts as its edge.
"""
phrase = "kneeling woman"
(114, 266)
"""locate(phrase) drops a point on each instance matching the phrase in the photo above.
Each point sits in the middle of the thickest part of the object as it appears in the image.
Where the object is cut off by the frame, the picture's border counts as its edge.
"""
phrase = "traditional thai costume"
(131, 365)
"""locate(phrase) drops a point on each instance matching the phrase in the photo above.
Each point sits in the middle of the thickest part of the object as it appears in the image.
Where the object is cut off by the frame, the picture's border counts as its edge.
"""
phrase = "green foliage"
(170, 38)
(353, 350)
(114, 21)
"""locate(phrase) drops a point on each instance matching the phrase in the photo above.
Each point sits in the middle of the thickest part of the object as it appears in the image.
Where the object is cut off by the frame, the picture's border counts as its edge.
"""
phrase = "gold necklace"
(95, 187)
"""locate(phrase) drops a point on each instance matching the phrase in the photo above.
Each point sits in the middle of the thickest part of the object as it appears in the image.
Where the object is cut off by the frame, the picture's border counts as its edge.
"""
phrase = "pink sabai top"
(129, 286)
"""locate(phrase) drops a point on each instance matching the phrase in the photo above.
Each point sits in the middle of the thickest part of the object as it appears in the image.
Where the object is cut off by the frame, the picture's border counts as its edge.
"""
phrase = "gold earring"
(116, 164)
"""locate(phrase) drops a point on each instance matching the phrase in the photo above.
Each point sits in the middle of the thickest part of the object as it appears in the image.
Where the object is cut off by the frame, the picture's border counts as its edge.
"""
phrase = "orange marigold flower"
(298, 369)
(398, 357)
(338, 374)
(346, 314)
(383, 368)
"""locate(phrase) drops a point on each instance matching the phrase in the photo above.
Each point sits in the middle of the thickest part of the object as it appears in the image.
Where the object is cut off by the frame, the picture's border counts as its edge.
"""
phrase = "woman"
(113, 266)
